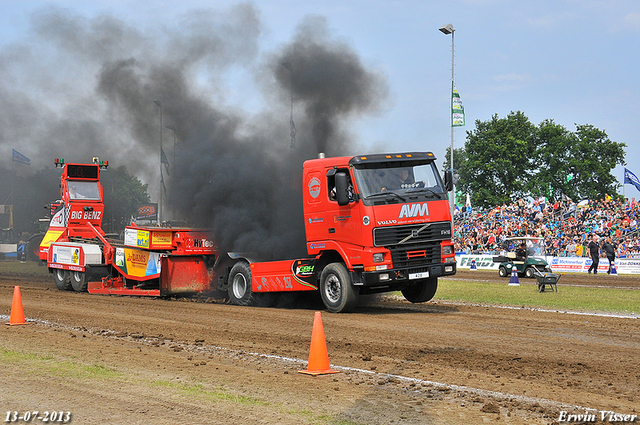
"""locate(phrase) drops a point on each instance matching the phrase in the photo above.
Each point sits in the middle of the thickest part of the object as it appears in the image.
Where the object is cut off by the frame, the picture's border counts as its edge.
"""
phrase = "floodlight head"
(447, 29)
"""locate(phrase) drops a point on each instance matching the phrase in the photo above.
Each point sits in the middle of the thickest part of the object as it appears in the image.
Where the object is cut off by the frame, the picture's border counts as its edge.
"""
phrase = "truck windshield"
(399, 180)
(83, 190)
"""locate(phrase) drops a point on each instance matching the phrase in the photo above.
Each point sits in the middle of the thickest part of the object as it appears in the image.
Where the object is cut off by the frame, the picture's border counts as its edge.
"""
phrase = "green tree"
(497, 163)
(122, 193)
(577, 165)
(598, 156)
(459, 158)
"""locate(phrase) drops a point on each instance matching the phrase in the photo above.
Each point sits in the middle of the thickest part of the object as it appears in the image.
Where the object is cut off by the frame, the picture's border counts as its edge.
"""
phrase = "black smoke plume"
(82, 87)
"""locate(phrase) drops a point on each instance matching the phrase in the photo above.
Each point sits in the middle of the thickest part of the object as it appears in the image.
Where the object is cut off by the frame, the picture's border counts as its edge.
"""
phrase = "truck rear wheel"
(79, 281)
(62, 279)
(422, 291)
(336, 290)
(240, 288)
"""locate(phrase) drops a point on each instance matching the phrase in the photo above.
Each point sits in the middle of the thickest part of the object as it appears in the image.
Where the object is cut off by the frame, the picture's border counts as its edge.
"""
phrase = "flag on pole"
(18, 157)
(164, 160)
(457, 110)
(630, 178)
(163, 186)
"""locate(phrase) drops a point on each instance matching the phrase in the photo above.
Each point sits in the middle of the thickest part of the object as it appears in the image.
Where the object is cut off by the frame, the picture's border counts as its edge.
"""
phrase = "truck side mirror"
(342, 189)
(448, 180)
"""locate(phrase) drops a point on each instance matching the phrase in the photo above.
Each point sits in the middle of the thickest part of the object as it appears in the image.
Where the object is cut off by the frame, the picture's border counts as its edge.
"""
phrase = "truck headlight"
(378, 257)
(447, 250)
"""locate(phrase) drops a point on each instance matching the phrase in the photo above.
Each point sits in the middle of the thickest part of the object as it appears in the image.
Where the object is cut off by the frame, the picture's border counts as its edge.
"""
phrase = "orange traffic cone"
(17, 312)
(318, 357)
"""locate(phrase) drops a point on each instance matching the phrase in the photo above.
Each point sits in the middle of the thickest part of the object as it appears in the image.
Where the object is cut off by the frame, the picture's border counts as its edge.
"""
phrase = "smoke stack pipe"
(321, 155)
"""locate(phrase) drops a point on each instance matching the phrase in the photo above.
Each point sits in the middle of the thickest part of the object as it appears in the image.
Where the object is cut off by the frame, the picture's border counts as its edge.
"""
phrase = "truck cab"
(382, 220)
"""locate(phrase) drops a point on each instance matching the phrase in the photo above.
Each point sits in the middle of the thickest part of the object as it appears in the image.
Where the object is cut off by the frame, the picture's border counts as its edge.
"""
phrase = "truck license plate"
(418, 275)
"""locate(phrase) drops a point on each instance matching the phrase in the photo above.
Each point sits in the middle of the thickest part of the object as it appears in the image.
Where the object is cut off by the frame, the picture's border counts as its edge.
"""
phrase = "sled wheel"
(79, 281)
(62, 279)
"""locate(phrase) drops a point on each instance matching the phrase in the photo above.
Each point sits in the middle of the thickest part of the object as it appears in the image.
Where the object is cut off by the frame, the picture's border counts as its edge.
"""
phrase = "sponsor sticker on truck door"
(314, 187)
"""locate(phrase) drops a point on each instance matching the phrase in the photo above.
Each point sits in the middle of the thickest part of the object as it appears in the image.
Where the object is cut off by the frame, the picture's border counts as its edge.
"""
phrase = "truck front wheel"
(240, 289)
(62, 279)
(422, 291)
(336, 290)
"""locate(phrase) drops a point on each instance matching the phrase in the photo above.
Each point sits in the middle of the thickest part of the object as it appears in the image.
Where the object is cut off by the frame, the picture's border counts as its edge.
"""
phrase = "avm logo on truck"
(414, 210)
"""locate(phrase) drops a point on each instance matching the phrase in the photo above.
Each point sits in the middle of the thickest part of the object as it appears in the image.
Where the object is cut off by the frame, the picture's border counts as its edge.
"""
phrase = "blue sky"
(570, 61)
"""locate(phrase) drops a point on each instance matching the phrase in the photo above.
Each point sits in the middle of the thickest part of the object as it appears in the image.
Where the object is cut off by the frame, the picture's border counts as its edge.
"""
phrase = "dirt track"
(138, 360)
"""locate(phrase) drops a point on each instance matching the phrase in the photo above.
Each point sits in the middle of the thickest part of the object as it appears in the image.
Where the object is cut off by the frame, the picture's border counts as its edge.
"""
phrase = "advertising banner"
(557, 264)
(137, 262)
(147, 212)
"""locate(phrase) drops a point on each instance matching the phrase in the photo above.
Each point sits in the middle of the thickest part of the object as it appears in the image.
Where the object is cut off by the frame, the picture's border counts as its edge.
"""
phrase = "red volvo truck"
(373, 223)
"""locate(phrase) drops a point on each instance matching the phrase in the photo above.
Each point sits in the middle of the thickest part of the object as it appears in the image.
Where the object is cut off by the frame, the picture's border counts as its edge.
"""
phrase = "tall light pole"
(448, 29)
(172, 128)
(172, 205)
(291, 123)
(159, 103)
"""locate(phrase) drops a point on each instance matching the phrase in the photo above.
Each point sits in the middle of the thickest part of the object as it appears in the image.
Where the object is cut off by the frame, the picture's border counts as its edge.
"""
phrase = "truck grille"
(415, 256)
(393, 235)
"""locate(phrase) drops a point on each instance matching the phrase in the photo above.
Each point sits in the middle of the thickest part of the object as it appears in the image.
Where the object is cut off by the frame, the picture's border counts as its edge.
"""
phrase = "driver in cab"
(399, 179)
(73, 192)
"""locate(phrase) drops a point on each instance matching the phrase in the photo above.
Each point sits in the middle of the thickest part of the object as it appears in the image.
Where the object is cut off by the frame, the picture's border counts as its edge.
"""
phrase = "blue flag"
(630, 178)
(18, 157)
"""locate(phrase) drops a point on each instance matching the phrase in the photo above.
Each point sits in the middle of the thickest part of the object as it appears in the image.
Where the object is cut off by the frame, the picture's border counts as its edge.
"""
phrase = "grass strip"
(50, 366)
(192, 390)
(29, 268)
(610, 300)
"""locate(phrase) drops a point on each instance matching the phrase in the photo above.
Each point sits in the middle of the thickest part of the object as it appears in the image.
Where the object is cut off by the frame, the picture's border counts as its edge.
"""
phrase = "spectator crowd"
(564, 225)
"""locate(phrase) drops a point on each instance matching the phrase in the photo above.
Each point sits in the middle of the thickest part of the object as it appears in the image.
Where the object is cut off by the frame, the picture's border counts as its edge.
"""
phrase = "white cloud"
(632, 20)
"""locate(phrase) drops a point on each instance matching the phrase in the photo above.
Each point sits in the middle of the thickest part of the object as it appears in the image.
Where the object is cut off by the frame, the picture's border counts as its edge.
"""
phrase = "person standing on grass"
(594, 253)
(610, 251)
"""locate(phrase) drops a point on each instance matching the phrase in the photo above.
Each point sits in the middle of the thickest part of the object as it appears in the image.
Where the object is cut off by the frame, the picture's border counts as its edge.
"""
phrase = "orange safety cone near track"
(318, 356)
(17, 312)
